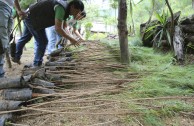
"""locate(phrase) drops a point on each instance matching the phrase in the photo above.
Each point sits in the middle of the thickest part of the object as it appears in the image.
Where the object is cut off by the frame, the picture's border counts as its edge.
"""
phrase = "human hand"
(81, 40)
(22, 14)
(75, 42)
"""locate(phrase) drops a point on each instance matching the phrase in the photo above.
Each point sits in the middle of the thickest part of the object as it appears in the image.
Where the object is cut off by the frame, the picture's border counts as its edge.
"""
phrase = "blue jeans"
(53, 38)
(6, 22)
(40, 42)
(25, 38)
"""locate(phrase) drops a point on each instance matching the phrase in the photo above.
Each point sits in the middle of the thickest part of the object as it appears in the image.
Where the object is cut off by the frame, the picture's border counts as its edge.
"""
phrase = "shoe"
(32, 66)
(2, 75)
(15, 60)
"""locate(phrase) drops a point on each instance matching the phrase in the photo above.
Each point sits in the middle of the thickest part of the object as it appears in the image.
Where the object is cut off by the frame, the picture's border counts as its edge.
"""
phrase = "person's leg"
(5, 14)
(41, 42)
(51, 35)
(2, 72)
(26, 37)
(58, 38)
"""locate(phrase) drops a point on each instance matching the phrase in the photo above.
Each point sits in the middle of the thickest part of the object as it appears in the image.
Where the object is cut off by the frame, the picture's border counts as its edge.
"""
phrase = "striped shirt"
(10, 3)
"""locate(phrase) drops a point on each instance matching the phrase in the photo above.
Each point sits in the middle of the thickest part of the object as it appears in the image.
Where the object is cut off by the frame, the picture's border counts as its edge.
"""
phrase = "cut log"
(64, 59)
(56, 52)
(43, 90)
(66, 54)
(43, 83)
(17, 94)
(29, 71)
(52, 59)
(4, 118)
(54, 77)
(178, 44)
(27, 78)
(40, 73)
(35, 72)
(188, 28)
(16, 82)
(9, 105)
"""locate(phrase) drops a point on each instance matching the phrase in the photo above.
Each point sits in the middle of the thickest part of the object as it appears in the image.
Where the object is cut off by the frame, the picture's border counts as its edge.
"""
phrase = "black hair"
(78, 4)
(83, 14)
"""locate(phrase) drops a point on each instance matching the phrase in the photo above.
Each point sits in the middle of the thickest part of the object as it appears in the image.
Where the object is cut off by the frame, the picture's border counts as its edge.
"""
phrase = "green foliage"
(26, 3)
(142, 9)
(158, 77)
(114, 4)
(135, 41)
(152, 120)
(160, 30)
(88, 27)
(97, 36)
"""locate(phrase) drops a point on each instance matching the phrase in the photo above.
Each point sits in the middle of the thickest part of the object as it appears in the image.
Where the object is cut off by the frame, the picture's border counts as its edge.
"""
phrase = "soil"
(16, 69)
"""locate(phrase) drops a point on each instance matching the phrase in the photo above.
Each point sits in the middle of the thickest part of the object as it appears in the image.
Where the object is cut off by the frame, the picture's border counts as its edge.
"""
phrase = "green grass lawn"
(160, 76)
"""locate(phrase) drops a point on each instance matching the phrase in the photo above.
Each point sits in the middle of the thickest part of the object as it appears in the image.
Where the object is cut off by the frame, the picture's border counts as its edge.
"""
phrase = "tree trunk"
(193, 3)
(172, 22)
(178, 44)
(123, 33)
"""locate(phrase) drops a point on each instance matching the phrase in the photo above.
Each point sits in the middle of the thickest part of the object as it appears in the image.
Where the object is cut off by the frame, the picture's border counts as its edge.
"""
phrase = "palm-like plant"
(160, 30)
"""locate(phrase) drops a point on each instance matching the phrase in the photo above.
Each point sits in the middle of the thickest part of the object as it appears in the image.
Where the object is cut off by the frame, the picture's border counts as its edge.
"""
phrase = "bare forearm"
(78, 34)
(61, 32)
(17, 5)
(19, 11)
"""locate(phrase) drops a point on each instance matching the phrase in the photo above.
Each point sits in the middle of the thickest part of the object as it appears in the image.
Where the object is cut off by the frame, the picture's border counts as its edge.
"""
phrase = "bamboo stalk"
(124, 112)
(83, 107)
(64, 100)
(36, 114)
(42, 90)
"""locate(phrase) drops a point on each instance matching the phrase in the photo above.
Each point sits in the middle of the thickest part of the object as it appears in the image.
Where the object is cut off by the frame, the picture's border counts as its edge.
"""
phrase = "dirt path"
(82, 94)
(16, 69)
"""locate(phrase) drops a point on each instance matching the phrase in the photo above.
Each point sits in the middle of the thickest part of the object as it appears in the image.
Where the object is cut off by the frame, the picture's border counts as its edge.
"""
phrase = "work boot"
(15, 60)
